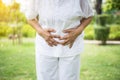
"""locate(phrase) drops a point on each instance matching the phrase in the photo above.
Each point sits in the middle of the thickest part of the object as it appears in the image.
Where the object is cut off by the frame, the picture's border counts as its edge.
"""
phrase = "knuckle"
(49, 35)
(46, 39)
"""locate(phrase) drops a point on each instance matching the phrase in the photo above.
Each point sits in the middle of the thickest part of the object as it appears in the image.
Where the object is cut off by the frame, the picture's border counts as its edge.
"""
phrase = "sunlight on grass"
(17, 62)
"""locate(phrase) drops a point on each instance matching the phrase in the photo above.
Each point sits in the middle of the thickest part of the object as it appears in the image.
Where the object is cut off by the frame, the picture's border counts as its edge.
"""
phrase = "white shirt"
(59, 15)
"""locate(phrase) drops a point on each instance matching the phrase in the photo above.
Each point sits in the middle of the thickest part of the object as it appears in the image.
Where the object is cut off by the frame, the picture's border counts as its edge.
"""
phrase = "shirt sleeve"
(86, 8)
(31, 11)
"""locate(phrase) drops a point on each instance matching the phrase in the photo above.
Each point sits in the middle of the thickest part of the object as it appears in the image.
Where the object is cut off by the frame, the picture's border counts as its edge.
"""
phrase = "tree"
(98, 6)
(4, 12)
(112, 5)
(101, 29)
(12, 16)
(16, 19)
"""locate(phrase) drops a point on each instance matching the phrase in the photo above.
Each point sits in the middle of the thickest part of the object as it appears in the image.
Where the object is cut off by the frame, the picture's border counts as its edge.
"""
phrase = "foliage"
(114, 32)
(111, 6)
(5, 30)
(107, 19)
(116, 19)
(101, 33)
(28, 31)
(89, 32)
(11, 13)
(104, 19)
(101, 28)
(4, 12)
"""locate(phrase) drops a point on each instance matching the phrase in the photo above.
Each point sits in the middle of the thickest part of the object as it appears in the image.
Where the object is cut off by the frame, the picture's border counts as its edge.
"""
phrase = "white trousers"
(57, 68)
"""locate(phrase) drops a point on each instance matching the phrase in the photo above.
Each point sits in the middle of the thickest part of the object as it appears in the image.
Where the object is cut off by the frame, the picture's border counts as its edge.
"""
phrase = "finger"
(64, 37)
(54, 42)
(50, 44)
(68, 30)
(49, 36)
(51, 30)
(56, 36)
(70, 46)
(65, 42)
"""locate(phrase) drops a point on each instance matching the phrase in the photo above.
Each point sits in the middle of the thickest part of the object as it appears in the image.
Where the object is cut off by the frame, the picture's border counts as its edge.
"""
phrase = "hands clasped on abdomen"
(67, 39)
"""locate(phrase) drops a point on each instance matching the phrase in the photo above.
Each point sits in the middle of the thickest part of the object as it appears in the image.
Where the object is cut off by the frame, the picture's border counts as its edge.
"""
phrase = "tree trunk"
(98, 6)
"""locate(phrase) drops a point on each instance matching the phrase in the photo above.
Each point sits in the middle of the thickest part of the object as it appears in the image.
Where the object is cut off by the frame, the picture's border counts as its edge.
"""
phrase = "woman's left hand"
(70, 37)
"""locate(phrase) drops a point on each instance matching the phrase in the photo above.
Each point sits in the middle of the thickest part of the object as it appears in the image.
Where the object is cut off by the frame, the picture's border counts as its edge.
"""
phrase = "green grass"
(17, 62)
(101, 62)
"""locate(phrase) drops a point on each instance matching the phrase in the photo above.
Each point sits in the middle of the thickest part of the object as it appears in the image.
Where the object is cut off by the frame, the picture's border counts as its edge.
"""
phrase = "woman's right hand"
(49, 38)
(45, 33)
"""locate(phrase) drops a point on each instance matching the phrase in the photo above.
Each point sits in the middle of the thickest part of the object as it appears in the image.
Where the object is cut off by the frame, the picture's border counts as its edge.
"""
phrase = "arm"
(36, 26)
(75, 32)
(83, 25)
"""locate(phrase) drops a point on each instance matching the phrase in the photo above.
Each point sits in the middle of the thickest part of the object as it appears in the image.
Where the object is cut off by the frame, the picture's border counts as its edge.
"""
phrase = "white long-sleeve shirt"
(59, 15)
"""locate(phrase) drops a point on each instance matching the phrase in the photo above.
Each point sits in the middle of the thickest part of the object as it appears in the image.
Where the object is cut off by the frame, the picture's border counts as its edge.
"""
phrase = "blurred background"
(100, 59)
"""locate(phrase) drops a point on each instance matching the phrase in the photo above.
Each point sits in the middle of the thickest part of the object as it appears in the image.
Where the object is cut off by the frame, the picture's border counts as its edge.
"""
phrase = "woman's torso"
(59, 14)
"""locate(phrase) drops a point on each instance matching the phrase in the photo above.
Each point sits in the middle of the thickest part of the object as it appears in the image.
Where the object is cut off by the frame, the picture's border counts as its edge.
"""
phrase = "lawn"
(17, 62)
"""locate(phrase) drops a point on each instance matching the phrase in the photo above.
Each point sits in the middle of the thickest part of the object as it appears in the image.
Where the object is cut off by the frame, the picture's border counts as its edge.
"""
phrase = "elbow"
(90, 18)
(28, 21)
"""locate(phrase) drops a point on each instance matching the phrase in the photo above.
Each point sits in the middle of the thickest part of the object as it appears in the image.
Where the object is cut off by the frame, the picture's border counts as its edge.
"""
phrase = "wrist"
(79, 30)
(40, 31)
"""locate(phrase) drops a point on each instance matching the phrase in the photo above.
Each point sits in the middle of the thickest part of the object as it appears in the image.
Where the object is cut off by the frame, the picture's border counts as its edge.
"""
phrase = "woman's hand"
(49, 38)
(70, 37)
(45, 33)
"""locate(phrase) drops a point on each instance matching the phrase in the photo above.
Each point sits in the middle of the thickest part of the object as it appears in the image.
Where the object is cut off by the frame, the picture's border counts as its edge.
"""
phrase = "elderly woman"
(59, 36)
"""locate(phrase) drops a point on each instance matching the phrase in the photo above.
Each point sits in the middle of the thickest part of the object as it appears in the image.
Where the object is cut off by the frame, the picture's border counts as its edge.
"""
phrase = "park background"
(100, 59)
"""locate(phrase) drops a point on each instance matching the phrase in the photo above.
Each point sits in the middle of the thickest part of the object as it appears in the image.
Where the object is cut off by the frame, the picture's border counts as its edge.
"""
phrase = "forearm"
(83, 25)
(34, 23)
